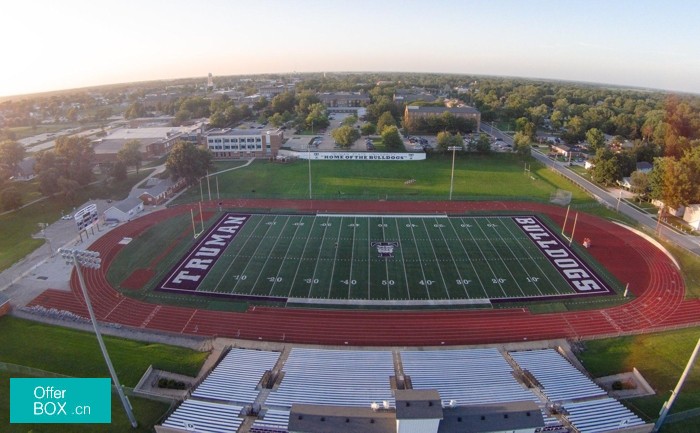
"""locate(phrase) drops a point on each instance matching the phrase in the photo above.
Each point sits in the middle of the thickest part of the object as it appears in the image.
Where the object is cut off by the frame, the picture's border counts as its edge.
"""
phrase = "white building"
(244, 143)
(125, 210)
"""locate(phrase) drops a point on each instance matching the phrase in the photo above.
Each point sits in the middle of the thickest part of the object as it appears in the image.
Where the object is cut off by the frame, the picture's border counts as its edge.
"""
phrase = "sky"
(53, 45)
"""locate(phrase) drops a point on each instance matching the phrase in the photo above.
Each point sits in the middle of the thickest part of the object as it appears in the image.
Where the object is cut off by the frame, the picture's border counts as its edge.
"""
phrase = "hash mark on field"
(262, 268)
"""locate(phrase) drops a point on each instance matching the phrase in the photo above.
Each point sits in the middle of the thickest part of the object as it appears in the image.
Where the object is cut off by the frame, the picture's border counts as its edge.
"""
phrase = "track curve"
(654, 280)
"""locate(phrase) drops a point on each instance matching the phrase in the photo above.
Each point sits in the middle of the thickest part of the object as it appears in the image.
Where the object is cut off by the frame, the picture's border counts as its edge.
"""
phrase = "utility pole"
(667, 405)
(91, 260)
(452, 177)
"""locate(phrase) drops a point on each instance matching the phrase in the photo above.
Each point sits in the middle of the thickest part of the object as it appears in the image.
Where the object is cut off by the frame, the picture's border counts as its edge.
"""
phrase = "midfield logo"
(385, 249)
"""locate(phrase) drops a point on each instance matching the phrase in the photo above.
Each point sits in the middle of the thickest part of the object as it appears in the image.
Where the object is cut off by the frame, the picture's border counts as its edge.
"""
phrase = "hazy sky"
(57, 44)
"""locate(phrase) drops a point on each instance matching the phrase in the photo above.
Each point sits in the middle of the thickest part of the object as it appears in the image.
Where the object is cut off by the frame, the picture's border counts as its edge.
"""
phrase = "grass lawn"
(76, 353)
(16, 228)
(660, 358)
(476, 178)
(147, 412)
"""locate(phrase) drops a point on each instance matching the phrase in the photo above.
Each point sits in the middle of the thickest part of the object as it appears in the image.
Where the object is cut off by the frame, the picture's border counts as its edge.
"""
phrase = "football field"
(398, 259)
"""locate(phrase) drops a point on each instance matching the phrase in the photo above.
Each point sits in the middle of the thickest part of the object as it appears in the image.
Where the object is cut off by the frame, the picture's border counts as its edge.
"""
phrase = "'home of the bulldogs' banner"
(194, 266)
(361, 156)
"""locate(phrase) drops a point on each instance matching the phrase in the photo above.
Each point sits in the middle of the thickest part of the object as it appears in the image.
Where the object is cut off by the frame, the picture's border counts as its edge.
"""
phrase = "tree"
(350, 120)
(130, 154)
(283, 102)
(188, 161)
(640, 184)
(483, 144)
(135, 110)
(391, 138)
(607, 168)
(118, 171)
(446, 140)
(345, 135)
(368, 129)
(10, 198)
(75, 158)
(521, 144)
(386, 119)
(11, 155)
(68, 188)
(595, 139)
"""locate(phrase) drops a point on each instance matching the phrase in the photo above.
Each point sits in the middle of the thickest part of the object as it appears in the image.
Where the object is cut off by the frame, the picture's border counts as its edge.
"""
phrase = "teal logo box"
(66, 401)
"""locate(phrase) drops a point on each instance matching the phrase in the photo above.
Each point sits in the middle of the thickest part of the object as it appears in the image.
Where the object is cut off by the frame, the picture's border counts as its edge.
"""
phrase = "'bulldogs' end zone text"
(581, 278)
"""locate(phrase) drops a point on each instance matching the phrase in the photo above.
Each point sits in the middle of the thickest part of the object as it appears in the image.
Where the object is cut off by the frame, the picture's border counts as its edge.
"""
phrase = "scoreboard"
(86, 217)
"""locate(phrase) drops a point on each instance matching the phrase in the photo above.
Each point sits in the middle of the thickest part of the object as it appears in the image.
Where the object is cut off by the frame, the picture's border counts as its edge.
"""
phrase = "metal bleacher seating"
(236, 377)
(468, 376)
(205, 417)
(334, 377)
(275, 421)
(561, 382)
(600, 415)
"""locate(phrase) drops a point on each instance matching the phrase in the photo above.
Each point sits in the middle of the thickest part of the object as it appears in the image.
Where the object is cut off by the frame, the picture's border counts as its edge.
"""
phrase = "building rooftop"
(439, 110)
(418, 404)
(340, 419)
(517, 415)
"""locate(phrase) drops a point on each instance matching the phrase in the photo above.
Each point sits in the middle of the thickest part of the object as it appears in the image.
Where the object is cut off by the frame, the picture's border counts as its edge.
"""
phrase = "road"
(691, 243)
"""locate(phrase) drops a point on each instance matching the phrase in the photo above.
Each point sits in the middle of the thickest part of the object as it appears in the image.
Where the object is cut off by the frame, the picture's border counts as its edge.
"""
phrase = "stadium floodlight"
(91, 260)
(452, 177)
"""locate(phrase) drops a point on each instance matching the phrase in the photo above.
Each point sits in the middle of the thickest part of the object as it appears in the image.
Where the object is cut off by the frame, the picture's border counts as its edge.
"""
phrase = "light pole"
(452, 177)
(308, 156)
(91, 259)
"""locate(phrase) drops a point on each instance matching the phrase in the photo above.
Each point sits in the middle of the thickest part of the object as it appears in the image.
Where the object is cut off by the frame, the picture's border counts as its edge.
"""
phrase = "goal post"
(561, 197)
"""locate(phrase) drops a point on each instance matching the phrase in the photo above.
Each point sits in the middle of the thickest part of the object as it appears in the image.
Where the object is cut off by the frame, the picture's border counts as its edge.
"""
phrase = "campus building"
(153, 141)
(414, 112)
(244, 143)
(344, 99)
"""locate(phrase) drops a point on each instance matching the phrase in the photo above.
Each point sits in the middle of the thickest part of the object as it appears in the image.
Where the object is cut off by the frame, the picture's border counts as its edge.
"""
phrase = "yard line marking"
(403, 261)
(533, 259)
(286, 254)
(507, 244)
(499, 256)
(469, 259)
(454, 262)
(335, 258)
(267, 258)
(352, 254)
(318, 259)
(476, 242)
(437, 259)
(228, 268)
(369, 262)
(420, 260)
(301, 259)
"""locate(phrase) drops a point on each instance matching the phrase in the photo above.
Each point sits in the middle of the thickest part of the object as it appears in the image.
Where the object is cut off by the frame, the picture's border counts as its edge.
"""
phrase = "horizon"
(76, 44)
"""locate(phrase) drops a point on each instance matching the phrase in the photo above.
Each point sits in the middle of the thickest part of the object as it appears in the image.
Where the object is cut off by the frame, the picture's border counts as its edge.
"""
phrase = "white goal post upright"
(566, 218)
(571, 239)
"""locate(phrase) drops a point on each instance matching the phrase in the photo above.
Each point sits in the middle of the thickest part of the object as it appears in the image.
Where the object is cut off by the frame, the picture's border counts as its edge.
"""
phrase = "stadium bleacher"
(205, 417)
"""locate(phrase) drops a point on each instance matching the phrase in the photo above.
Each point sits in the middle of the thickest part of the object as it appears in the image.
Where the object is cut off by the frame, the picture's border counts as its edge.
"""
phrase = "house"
(158, 191)
(25, 170)
(588, 164)
(644, 167)
(125, 210)
(692, 216)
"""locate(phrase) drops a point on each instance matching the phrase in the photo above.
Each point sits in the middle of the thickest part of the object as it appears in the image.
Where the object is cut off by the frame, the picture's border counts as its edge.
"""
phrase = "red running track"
(654, 280)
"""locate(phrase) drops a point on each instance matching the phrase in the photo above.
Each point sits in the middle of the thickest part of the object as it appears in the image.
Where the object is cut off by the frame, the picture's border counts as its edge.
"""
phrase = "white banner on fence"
(361, 156)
